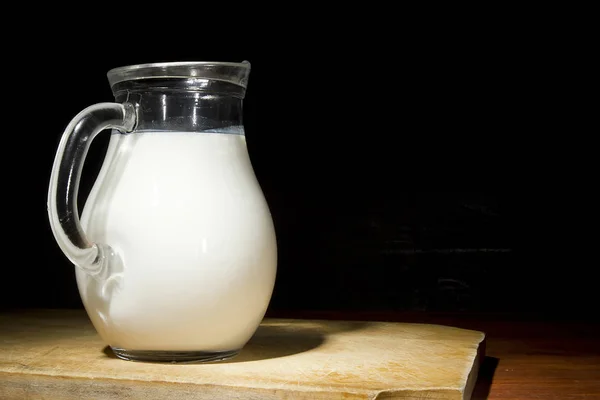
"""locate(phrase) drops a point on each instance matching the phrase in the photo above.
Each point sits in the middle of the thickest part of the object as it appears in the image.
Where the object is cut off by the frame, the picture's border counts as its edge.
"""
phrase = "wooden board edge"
(427, 394)
(473, 375)
(442, 394)
(18, 386)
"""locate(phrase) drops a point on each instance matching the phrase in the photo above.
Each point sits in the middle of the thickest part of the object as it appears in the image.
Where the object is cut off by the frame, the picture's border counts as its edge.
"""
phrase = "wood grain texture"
(528, 356)
(58, 355)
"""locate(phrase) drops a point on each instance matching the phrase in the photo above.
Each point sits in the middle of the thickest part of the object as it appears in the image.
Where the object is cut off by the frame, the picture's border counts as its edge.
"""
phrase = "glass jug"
(175, 251)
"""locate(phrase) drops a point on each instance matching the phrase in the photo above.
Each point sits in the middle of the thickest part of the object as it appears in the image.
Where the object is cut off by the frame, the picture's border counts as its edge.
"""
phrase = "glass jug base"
(174, 356)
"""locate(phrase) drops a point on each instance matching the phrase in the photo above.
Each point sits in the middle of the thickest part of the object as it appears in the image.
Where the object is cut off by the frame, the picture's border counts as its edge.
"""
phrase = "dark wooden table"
(527, 356)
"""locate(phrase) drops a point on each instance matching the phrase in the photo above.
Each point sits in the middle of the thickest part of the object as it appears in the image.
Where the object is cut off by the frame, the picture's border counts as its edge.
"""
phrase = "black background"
(403, 172)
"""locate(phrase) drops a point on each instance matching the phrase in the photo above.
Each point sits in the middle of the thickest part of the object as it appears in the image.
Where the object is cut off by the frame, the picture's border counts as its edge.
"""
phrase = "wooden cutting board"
(58, 355)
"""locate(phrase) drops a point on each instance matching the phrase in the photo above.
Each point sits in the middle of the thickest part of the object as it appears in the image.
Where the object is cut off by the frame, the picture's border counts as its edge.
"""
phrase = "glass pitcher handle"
(64, 181)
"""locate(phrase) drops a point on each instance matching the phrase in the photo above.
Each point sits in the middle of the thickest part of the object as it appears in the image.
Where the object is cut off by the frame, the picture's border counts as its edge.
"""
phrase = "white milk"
(188, 219)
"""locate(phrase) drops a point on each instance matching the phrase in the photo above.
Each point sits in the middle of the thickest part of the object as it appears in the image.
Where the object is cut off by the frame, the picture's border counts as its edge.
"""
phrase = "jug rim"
(235, 72)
